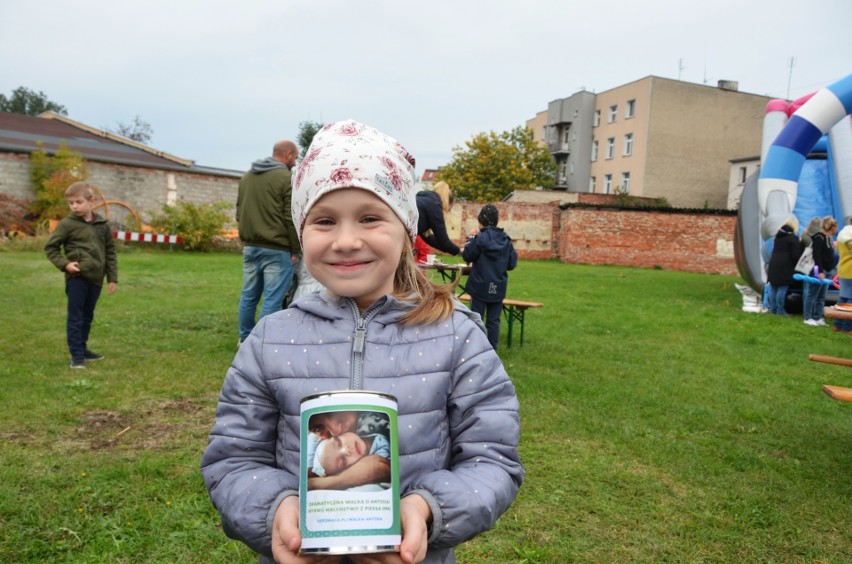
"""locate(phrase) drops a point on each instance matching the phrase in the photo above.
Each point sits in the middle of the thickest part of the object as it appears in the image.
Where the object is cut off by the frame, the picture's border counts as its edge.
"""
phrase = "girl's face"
(342, 452)
(353, 244)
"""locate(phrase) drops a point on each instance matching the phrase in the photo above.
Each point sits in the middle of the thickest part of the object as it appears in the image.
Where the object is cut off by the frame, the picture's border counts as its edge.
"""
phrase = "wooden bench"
(836, 392)
(514, 311)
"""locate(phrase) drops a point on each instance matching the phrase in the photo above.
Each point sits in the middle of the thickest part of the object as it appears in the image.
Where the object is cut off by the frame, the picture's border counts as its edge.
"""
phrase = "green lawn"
(659, 421)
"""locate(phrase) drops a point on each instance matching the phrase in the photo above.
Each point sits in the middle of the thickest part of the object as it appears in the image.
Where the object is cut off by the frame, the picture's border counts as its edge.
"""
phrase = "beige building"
(538, 125)
(663, 138)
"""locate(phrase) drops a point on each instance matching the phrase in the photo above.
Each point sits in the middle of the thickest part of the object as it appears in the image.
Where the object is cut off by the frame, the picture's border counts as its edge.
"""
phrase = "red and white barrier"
(146, 237)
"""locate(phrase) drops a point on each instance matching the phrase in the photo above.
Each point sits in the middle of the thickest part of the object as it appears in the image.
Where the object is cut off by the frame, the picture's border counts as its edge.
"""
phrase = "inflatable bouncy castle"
(806, 170)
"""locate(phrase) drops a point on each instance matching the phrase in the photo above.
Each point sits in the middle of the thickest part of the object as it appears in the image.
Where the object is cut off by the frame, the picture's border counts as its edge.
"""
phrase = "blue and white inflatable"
(806, 170)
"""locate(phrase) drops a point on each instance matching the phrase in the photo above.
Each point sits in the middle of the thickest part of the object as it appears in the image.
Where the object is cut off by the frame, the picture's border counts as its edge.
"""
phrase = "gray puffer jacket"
(458, 414)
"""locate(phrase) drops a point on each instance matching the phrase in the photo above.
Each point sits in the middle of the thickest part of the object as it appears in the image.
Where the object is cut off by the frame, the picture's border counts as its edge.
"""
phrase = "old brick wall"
(672, 240)
(687, 242)
(144, 189)
(15, 175)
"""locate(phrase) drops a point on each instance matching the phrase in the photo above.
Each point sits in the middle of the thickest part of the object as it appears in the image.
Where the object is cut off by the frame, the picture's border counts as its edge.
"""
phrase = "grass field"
(659, 422)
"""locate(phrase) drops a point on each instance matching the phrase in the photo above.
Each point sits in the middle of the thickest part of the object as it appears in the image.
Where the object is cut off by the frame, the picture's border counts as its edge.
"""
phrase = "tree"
(307, 130)
(50, 175)
(492, 165)
(139, 130)
(30, 103)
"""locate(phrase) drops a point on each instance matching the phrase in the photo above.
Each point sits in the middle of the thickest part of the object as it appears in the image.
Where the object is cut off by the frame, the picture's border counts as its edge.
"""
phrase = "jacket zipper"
(355, 382)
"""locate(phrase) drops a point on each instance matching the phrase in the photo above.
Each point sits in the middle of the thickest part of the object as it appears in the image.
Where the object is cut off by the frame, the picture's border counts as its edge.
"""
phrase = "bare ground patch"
(160, 426)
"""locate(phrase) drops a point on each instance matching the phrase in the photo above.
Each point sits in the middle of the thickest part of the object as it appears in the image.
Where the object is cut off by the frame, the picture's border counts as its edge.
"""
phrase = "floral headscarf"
(349, 154)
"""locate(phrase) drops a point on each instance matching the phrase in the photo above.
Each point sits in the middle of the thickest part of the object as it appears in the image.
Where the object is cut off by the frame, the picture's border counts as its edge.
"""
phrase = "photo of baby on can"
(349, 473)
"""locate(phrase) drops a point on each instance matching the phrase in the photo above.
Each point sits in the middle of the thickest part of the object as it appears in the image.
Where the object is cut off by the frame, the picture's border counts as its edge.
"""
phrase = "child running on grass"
(83, 248)
(379, 325)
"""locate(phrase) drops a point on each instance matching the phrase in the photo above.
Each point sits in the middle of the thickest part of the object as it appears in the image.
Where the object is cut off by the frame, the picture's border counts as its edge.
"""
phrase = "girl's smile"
(353, 243)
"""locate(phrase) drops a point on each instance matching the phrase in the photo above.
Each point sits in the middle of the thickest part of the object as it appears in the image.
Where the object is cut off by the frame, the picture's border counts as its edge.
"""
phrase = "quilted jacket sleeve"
(239, 464)
(485, 471)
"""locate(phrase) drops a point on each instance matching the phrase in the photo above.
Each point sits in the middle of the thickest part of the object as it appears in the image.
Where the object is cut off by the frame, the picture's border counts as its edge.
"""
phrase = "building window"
(610, 147)
(743, 174)
(594, 150)
(613, 113)
(597, 121)
(566, 136)
(628, 144)
(630, 110)
(592, 184)
(607, 184)
(625, 182)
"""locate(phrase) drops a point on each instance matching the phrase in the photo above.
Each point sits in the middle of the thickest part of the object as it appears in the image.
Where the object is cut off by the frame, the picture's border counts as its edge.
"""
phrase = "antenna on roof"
(680, 67)
(790, 76)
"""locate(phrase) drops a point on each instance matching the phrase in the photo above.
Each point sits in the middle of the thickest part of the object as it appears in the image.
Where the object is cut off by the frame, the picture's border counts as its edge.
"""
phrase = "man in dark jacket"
(270, 242)
(493, 255)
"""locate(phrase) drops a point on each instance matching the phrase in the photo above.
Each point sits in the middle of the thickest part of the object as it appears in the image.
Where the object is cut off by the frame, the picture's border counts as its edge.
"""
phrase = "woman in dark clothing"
(786, 251)
(432, 205)
(824, 261)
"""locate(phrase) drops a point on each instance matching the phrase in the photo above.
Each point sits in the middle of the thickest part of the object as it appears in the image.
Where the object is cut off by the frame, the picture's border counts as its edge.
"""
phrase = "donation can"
(338, 429)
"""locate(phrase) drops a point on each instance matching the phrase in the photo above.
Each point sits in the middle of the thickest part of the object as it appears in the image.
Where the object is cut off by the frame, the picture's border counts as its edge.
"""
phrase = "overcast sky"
(221, 81)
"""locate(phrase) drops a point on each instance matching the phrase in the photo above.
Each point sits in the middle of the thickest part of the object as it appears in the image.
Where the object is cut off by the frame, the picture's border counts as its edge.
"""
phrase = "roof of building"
(22, 134)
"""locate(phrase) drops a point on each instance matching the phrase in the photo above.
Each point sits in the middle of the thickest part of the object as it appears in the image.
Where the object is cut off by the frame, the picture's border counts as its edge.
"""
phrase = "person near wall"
(844, 274)
(270, 242)
(824, 260)
(431, 227)
(492, 254)
(786, 250)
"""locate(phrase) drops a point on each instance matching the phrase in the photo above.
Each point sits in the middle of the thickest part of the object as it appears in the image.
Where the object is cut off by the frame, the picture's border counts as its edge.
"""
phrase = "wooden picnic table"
(834, 313)
(836, 392)
(450, 273)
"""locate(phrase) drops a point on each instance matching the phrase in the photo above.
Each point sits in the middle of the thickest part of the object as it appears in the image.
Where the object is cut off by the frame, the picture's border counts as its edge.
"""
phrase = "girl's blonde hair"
(828, 223)
(434, 303)
(793, 223)
(446, 195)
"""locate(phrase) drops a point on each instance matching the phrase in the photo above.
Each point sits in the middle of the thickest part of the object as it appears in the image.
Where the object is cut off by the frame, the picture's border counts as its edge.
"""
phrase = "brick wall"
(144, 189)
(15, 175)
(673, 240)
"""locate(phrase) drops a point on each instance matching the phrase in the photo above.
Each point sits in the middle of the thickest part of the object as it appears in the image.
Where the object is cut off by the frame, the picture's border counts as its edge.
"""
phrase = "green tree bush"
(197, 224)
(492, 165)
(29, 102)
(50, 175)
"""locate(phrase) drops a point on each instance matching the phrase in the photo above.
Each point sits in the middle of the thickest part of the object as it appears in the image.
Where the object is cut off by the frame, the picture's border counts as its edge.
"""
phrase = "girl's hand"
(415, 515)
(72, 267)
(286, 538)
(111, 288)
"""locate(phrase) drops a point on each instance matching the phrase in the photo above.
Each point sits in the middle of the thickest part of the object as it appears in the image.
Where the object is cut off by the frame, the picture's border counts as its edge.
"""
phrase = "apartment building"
(657, 138)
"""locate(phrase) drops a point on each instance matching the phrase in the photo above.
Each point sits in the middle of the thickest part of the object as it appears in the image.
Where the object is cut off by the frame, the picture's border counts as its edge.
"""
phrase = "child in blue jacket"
(493, 256)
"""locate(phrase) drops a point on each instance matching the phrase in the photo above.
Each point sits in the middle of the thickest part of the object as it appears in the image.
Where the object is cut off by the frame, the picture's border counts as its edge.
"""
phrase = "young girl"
(379, 325)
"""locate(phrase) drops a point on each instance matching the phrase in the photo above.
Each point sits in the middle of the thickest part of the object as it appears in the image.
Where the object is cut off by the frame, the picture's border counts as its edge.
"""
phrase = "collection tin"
(337, 430)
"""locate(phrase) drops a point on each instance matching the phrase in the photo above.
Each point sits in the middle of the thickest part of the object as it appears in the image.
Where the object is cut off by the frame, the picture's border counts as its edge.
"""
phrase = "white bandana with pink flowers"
(348, 154)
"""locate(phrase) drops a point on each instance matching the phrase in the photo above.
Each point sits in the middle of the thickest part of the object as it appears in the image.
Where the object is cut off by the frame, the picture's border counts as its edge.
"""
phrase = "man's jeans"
(266, 273)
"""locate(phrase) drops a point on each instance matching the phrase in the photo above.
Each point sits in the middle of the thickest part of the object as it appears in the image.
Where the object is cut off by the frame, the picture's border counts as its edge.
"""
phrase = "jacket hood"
(845, 234)
(493, 240)
(265, 165)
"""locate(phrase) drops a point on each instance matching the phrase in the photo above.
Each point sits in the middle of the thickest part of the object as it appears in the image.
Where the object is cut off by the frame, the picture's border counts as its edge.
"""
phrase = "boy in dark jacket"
(493, 256)
(83, 248)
